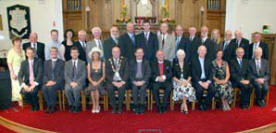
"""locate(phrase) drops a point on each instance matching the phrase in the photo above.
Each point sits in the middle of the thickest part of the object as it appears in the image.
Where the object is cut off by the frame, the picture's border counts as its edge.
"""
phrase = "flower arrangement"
(165, 16)
(123, 18)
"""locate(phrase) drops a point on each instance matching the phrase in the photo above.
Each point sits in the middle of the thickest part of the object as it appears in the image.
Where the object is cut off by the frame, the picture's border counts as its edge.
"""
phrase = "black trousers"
(167, 86)
(50, 94)
(111, 94)
(246, 91)
(261, 90)
(31, 96)
(199, 93)
(139, 92)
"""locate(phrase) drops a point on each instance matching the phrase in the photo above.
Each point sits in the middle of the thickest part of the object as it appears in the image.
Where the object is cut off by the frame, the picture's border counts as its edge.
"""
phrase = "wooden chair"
(83, 100)
(161, 91)
(40, 100)
(103, 100)
(129, 101)
(253, 97)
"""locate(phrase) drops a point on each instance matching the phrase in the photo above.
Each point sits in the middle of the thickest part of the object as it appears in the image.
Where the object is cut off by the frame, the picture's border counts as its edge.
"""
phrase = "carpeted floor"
(215, 121)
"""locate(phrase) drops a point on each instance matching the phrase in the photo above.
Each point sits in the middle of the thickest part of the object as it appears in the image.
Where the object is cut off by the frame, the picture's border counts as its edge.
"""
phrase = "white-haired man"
(110, 42)
(96, 42)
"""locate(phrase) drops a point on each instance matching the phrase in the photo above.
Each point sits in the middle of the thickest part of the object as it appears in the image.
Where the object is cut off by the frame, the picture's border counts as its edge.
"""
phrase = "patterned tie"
(258, 67)
(31, 76)
(163, 41)
(74, 71)
(53, 68)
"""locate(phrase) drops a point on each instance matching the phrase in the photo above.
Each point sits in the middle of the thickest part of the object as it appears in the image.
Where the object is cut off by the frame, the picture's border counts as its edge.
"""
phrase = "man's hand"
(260, 80)
(160, 79)
(74, 84)
(139, 83)
(245, 82)
(50, 83)
(205, 85)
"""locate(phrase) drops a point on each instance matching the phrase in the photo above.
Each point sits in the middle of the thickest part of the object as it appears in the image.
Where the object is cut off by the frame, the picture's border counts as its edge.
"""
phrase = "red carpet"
(172, 122)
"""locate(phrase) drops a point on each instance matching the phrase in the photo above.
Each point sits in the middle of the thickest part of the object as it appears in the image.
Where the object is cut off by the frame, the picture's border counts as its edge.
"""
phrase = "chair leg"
(148, 95)
(252, 98)
(267, 97)
(172, 104)
(59, 100)
(22, 98)
(127, 100)
(213, 104)
(193, 105)
(151, 104)
(63, 100)
(83, 101)
(235, 97)
(40, 100)
(105, 103)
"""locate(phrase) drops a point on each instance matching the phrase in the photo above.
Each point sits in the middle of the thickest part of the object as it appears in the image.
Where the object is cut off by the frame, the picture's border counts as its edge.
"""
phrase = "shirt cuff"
(209, 81)
(199, 82)
(156, 79)
(164, 77)
(22, 85)
(36, 83)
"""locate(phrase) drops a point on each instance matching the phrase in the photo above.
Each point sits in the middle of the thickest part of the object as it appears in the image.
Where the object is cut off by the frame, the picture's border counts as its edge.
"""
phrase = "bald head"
(130, 27)
(82, 35)
(202, 51)
(192, 31)
(228, 35)
(238, 34)
(160, 55)
(258, 52)
(204, 31)
(179, 30)
(114, 31)
(33, 37)
(240, 52)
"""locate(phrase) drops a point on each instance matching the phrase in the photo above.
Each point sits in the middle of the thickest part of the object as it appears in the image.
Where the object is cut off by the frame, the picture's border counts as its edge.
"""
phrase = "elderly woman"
(96, 42)
(223, 87)
(181, 81)
(15, 56)
(96, 75)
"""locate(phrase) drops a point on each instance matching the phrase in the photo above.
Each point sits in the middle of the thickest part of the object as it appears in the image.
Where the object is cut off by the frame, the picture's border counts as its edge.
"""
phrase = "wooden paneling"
(1, 24)
(270, 39)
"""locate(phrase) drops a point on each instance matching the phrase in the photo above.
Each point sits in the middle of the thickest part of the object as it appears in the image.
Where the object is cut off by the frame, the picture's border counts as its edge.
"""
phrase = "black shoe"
(164, 109)
(201, 107)
(114, 110)
(76, 109)
(71, 109)
(205, 107)
(136, 109)
(120, 110)
(142, 109)
(47, 110)
(35, 108)
(259, 103)
(263, 103)
(159, 108)
(52, 110)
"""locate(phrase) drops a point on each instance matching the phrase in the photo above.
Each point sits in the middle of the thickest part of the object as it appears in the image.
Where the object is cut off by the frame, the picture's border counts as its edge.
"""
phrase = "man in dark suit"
(193, 44)
(202, 78)
(148, 41)
(75, 76)
(228, 47)
(258, 43)
(241, 42)
(116, 74)
(53, 79)
(259, 76)
(128, 42)
(240, 77)
(210, 44)
(37, 46)
(181, 42)
(110, 42)
(162, 75)
(30, 77)
(81, 45)
(139, 76)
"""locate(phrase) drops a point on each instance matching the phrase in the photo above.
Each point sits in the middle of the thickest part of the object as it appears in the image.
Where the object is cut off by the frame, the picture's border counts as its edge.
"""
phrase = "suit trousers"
(246, 91)
(199, 93)
(73, 95)
(167, 86)
(139, 92)
(111, 94)
(261, 90)
(32, 96)
(50, 94)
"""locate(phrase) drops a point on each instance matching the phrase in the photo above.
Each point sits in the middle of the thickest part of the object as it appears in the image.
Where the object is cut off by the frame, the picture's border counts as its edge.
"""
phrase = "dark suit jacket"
(124, 70)
(245, 45)
(40, 49)
(82, 52)
(24, 73)
(167, 70)
(58, 72)
(108, 44)
(211, 50)
(238, 73)
(264, 46)
(146, 71)
(230, 52)
(196, 70)
(81, 73)
(127, 47)
(264, 72)
(192, 47)
(150, 47)
(184, 45)
(177, 71)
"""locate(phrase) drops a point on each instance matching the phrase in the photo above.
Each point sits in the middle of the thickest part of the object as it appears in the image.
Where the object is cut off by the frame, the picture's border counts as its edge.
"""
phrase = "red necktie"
(160, 65)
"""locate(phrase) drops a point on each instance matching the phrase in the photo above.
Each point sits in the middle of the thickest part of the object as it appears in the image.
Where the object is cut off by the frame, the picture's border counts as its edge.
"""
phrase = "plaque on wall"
(19, 21)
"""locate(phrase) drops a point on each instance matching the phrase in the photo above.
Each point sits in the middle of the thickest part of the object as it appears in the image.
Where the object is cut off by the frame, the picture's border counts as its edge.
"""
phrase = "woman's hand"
(14, 77)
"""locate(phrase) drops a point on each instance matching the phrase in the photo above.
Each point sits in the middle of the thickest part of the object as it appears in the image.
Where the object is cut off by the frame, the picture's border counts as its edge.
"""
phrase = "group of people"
(192, 68)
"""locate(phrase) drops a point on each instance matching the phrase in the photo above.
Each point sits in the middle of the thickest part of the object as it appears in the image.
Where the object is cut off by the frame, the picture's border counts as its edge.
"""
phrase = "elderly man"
(210, 45)
(181, 42)
(37, 46)
(257, 36)
(162, 78)
(54, 43)
(193, 43)
(110, 42)
(81, 45)
(240, 77)
(166, 42)
(259, 76)
(202, 78)
(241, 42)
(96, 42)
(228, 47)
(128, 42)
(148, 41)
